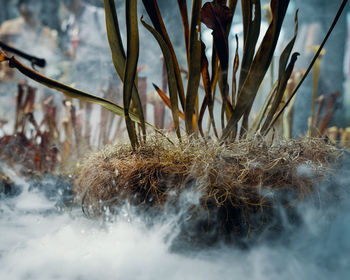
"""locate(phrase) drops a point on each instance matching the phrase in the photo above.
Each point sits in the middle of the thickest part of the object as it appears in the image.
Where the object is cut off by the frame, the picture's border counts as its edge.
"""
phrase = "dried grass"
(239, 184)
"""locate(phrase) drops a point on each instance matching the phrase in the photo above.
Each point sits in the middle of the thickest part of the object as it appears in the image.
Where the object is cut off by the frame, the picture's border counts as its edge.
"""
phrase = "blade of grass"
(259, 65)
(132, 56)
(251, 30)
(280, 93)
(195, 66)
(152, 9)
(234, 73)
(171, 75)
(283, 76)
(184, 16)
(118, 54)
(251, 12)
(207, 101)
(114, 37)
(234, 83)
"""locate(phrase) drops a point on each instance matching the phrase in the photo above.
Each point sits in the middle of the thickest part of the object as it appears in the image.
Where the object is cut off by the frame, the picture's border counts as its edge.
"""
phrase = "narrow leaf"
(195, 66)
(251, 30)
(280, 92)
(259, 65)
(152, 9)
(208, 100)
(252, 21)
(171, 75)
(184, 16)
(118, 54)
(234, 73)
(166, 100)
(114, 37)
(130, 64)
(262, 112)
(283, 76)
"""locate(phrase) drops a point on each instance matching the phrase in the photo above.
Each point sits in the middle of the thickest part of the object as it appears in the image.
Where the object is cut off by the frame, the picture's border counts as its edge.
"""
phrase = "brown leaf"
(218, 18)
(194, 71)
(216, 15)
(166, 100)
(208, 99)
(3, 56)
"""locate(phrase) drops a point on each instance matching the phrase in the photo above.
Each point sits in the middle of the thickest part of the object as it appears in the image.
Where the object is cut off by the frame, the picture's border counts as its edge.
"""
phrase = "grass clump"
(240, 186)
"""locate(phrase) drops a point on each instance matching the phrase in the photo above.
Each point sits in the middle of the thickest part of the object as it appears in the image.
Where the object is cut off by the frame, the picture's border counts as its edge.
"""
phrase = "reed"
(217, 16)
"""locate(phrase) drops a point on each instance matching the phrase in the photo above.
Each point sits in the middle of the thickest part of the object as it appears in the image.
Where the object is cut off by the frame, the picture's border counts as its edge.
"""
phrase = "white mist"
(39, 242)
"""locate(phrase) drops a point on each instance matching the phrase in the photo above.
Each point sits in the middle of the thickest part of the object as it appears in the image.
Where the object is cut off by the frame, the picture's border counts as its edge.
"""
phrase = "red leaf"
(216, 16)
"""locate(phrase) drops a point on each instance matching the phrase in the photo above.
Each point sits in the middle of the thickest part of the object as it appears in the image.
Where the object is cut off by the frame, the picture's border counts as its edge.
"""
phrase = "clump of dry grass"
(239, 184)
